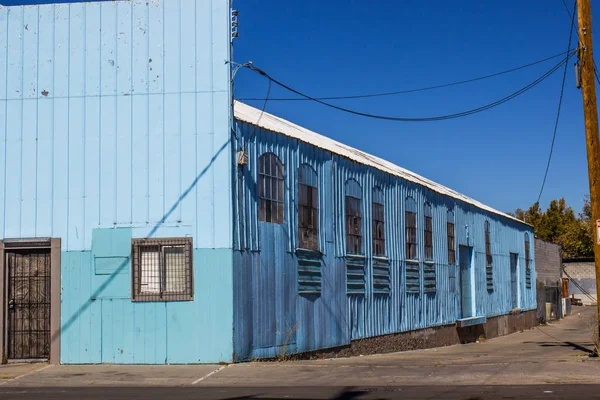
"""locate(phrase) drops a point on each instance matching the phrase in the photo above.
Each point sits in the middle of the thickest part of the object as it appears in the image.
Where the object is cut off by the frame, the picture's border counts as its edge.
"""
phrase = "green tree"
(560, 224)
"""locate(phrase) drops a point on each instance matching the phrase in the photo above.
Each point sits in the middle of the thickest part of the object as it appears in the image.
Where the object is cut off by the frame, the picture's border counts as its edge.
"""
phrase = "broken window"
(378, 222)
(353, 217)
(308, 208)
(270, 189)
(410, 216)
(451, 240)
(428, 232)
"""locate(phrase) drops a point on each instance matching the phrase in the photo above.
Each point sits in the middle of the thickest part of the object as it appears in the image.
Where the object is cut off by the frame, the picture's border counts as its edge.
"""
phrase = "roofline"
(287, 128)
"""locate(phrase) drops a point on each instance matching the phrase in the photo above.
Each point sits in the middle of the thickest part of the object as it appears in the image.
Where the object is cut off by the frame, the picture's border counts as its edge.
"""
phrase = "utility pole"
(590, 113)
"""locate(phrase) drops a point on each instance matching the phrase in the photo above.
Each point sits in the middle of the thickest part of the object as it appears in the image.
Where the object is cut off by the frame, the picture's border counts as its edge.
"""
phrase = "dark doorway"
(28, 303)
(514, 280)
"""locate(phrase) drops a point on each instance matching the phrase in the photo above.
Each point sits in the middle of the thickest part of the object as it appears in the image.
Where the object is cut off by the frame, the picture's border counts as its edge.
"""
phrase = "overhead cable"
(445, 85)
(560, 99)
(417, 119)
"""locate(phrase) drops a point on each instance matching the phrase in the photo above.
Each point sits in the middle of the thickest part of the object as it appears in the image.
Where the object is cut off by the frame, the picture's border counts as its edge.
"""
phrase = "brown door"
(28, 297)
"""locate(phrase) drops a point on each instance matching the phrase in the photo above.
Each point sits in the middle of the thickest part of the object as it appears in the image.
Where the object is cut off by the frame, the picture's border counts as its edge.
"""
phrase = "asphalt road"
(308, 392)
(548, 362)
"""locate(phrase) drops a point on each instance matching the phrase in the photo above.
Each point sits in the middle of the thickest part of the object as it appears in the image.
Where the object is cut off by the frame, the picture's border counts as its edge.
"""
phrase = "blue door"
(467, 301)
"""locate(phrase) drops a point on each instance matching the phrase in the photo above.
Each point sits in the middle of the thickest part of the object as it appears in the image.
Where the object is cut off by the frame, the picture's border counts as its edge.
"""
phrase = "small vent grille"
(381, 277)
(429, 281)
(413, 278)
(355, 275)
(309, 272)
(489, 277)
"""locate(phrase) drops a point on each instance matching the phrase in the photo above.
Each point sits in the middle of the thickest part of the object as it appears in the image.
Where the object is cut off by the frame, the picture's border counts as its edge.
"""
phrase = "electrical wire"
(418, 119)
(560, 99)
(445, 85)
(262, 112)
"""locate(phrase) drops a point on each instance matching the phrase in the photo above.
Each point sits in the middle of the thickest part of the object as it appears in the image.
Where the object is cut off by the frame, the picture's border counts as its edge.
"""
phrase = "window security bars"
(270, 189)
(162, 269)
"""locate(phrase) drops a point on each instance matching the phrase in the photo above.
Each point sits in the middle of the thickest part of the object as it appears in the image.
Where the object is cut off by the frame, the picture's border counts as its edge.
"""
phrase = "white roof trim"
(251, 115)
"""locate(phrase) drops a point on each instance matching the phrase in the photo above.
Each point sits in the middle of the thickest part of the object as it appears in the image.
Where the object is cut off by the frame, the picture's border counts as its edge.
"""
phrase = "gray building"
(582, 279)
(548, 260)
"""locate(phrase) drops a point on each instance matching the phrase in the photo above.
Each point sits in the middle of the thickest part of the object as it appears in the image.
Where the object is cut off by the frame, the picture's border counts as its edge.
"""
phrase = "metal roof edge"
(270, 122)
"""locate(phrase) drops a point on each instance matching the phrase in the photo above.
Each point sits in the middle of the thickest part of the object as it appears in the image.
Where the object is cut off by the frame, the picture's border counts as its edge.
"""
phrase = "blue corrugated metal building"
(159, 223)
(455, 260)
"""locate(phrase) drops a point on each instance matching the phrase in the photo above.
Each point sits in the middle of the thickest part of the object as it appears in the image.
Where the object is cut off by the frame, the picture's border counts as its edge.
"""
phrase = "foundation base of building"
(440, 336)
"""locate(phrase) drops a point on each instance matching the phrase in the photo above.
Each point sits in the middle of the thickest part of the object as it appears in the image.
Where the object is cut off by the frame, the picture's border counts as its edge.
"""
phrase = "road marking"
(210, 374)
(28, 373)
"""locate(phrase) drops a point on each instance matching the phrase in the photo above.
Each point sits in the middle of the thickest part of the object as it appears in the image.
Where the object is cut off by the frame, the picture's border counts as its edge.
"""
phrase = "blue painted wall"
(116, 115)
(271, 318)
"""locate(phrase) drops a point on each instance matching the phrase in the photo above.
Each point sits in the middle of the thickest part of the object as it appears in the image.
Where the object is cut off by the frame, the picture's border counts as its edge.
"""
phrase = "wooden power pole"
(590, 112)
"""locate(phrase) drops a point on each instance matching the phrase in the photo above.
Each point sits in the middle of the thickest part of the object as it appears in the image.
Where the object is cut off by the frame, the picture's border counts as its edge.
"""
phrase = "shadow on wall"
(98, 292)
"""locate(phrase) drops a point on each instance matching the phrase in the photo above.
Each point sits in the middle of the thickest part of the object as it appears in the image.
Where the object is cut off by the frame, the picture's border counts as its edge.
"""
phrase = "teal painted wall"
(100, 323)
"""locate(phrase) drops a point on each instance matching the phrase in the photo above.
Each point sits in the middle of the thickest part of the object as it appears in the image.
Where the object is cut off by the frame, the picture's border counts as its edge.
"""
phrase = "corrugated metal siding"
(334, 318)
(110, 113)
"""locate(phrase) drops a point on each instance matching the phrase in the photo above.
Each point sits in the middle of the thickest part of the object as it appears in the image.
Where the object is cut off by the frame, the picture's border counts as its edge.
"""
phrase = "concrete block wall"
(583, 273)
(548, 261)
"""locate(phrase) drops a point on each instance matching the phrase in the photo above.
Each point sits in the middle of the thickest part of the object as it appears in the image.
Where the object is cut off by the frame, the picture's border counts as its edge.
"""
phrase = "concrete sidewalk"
(553, 354)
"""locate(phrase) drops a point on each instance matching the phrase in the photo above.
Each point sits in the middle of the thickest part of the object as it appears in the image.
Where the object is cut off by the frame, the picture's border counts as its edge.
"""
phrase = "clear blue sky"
(360, 46)
(341, 47)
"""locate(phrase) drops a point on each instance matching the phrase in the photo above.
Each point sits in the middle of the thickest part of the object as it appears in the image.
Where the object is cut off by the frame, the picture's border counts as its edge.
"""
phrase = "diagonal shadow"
(64, 327)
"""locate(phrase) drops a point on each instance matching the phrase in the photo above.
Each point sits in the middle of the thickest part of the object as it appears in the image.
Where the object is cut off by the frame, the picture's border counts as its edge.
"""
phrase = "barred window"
(353, 217)
(162, 269)
(489, 272)
(527, 261)
(270, 189)
(451, 240)
(308, 208)
(428, 232)
(410, 216)
(378, 222)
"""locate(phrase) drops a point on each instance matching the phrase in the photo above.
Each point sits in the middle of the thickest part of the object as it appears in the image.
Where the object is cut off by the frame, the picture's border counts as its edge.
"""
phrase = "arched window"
(428, 232)
(353, 217)
(527, 261)
(410, 216)
(451, 240)
(378, 222)
(489, 272)
(270, 189)
(308, 208)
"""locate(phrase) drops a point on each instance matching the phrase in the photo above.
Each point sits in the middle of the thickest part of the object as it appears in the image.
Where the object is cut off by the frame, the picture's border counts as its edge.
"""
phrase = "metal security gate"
(28, 303)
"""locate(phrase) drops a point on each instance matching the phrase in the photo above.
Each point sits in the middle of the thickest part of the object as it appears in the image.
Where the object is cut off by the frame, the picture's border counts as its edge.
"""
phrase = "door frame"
(54, 245)
(471, 263)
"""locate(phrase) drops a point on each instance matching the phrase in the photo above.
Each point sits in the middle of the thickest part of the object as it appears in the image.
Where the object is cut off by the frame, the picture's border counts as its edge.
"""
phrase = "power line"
(445, 85)
(560, 99)
(420, 119)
